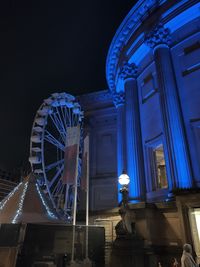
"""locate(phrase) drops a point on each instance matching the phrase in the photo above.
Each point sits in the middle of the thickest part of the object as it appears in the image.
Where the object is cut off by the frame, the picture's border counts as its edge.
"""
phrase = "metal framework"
(47, 148)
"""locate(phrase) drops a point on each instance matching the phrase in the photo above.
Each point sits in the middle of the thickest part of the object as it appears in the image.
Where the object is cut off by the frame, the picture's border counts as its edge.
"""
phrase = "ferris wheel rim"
(40, 121)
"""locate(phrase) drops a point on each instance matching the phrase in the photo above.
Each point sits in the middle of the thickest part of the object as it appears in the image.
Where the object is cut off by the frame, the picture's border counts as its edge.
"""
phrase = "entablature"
(130, 42)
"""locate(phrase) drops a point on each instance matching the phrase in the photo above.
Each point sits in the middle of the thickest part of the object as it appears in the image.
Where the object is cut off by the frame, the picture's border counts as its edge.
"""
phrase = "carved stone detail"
(135, 16)
(118, 99)
(128, 71)
(159, 35)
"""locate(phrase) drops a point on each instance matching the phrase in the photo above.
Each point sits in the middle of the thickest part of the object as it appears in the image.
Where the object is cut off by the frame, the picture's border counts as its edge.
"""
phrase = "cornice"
(141, 10)
(95, 98)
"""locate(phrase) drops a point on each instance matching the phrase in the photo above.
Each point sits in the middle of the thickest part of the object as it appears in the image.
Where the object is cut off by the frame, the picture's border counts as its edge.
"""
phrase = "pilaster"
(119, 100)
(178, 160)
(135, 168)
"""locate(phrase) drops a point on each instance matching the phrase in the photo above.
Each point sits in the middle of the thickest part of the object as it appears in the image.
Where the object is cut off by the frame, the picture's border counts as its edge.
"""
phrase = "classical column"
(178, 158)
(135, 162)
(118, 100)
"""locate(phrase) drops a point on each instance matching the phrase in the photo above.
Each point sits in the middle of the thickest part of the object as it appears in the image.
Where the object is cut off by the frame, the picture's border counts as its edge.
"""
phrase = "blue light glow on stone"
(120, 85)
(128, 53)
(139, 54)
(183, 18)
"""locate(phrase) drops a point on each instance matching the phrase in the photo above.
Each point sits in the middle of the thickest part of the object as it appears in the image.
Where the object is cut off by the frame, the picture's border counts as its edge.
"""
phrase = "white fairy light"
(45, 205)
(4, 201)
(20, 206)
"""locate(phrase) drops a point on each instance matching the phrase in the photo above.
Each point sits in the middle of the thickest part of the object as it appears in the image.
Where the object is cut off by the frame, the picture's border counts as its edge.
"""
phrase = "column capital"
(118, 99)
(128, 70)
(159, 35)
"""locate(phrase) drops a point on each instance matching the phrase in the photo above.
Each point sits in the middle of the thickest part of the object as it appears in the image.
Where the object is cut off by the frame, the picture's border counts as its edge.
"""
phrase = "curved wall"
(154, 61)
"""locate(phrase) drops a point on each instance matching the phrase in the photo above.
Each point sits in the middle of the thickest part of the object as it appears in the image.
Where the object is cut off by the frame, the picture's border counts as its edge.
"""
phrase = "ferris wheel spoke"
(59, 120)
(71, 118)
(57, 188)
(62, 124)
(53, 165)
(64, 115)
(51, 139)
(66, 118)
(76, 119)
(68, 114)
(55, 176)
(59, 196)
(58, 127)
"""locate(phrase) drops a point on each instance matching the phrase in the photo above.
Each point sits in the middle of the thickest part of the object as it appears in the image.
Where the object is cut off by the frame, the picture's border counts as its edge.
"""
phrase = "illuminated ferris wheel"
(58, 118)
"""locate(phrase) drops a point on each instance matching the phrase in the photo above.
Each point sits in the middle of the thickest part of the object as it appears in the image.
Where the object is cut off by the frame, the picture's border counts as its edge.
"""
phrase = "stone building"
(148, 123)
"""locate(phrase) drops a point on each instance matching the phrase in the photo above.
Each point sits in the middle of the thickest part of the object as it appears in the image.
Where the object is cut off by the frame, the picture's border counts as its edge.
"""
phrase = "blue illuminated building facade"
(154, 60)
(148, 122)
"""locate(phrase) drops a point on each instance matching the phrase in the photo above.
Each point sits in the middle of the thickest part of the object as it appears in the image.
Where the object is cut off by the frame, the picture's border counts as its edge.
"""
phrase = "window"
(160, 167)
(148, 87)
(194, 216)
(155, 165)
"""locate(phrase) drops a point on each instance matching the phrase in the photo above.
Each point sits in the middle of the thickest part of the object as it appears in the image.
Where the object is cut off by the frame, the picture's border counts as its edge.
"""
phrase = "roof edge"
(140, 11)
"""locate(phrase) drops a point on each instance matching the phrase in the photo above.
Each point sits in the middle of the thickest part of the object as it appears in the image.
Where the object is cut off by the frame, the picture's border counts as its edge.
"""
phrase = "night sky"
(49, 46)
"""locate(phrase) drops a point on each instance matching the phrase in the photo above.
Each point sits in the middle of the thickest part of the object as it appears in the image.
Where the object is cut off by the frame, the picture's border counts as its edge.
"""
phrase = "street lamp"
(124, 180)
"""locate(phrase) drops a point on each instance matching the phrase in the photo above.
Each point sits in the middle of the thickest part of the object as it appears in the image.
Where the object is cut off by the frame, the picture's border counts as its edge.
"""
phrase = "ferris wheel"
(57, 115)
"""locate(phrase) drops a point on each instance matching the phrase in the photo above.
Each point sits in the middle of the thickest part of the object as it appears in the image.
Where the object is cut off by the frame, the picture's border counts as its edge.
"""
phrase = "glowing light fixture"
(124, 179)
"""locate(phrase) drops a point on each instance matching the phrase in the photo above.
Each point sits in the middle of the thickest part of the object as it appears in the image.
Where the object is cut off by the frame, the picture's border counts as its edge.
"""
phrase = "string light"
(4, 201)
(19, 210)
(45, 205)
(20, 205)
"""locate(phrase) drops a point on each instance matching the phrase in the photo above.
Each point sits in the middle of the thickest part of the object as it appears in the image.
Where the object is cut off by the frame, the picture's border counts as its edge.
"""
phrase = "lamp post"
(124, 180)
